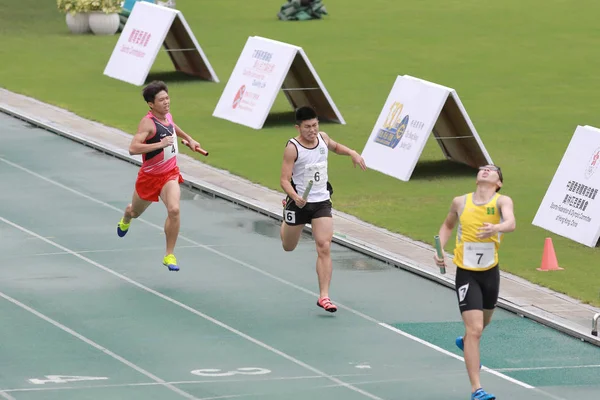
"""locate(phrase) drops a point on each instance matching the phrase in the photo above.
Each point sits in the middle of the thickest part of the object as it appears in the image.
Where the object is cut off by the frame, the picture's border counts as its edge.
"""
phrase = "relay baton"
(440, 254)
(307, 190)
(197, 149)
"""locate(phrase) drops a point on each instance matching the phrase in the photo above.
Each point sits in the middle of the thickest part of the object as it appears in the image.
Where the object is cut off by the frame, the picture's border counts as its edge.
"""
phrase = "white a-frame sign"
(414, 109)
(148, 28)
(263, 69)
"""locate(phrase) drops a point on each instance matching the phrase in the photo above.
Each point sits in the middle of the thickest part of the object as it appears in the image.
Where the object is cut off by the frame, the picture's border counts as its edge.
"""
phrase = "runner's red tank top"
(163, 160)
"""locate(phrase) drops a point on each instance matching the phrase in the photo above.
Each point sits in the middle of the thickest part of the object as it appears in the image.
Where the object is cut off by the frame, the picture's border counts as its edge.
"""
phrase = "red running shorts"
(148, 186)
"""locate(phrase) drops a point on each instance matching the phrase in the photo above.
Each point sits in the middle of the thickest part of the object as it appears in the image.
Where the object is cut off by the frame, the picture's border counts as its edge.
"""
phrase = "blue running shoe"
(460, 343)
(122, 228)
(480, 394)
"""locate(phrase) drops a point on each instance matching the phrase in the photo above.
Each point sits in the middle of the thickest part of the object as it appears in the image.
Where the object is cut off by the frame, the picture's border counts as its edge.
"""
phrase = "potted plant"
(104, 15)
(76, 17)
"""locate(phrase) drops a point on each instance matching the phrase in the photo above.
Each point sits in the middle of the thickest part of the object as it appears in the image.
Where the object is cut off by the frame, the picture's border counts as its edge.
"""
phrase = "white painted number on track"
(239, 371)
(65, 379)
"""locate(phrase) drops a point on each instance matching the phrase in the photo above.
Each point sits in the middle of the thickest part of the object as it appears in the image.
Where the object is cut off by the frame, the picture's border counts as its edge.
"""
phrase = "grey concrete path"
(519, 295)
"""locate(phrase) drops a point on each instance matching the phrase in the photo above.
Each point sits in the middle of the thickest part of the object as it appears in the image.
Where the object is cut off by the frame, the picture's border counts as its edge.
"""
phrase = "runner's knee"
(474, 330)
(290, 236)
(173, 210)
(323, 246)
(287, 246)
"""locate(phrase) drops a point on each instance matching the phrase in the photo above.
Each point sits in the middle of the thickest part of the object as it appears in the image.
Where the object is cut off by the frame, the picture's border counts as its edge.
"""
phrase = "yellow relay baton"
(440, 254)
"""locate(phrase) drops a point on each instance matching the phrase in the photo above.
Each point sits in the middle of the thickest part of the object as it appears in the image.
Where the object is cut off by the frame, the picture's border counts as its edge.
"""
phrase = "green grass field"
(525, 71)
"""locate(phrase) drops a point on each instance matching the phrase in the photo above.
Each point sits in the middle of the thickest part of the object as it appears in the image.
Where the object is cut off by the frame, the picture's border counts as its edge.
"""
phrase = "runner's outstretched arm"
(179, 132)
(342, 150)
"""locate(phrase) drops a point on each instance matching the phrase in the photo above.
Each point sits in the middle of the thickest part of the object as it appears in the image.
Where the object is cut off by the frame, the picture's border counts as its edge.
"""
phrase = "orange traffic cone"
(549, 261)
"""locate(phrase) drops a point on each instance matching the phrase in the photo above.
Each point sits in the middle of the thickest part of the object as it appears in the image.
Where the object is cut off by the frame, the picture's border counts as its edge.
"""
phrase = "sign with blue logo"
(413, 110)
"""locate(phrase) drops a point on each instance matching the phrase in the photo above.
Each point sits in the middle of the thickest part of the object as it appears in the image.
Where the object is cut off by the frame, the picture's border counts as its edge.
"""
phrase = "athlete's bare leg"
(136, 208)
(322, 229)
(170, 195)
(290, 235)
(474, 324)
(487, 317)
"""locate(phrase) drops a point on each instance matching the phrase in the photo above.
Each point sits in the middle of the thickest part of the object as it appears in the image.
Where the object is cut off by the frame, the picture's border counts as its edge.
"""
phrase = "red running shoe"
(326, 304)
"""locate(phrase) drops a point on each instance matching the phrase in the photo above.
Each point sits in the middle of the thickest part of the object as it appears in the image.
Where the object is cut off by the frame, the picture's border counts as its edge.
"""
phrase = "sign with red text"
(149, 28)
(264, 68)
(571, 206)
(414, 109)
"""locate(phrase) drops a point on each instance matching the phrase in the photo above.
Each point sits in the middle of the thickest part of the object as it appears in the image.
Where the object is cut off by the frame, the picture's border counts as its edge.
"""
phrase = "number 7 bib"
(478, 255)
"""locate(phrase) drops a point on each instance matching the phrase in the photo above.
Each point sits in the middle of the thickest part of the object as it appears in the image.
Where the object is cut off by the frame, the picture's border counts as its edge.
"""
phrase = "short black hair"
(152, 89)
(304, 114)
(499, 175)
(499, 171)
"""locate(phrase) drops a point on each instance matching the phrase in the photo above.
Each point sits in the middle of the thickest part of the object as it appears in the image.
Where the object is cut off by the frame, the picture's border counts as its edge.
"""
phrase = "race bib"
(318, 174)
(478, 255)
(289, 216)
(171, 151)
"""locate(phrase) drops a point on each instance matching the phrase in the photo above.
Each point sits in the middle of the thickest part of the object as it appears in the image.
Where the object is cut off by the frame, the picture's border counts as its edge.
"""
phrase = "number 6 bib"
(318, 174)
(478, 255)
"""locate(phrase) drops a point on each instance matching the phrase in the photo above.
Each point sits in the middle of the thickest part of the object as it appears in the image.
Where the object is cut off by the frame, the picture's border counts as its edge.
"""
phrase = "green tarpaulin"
(302, 10)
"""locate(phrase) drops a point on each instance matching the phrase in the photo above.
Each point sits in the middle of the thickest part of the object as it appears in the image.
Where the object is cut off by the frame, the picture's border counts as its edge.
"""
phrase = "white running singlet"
(311, 164)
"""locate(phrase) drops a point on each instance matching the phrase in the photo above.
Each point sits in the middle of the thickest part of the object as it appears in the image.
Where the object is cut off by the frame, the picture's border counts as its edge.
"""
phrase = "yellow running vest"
(472, 253)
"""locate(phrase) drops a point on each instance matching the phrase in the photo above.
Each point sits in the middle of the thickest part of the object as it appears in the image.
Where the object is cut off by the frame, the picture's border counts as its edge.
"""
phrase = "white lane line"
(194, 382)
(194, 311)
(57, 253)
(97, 346)
(547, 368)
(446, 352)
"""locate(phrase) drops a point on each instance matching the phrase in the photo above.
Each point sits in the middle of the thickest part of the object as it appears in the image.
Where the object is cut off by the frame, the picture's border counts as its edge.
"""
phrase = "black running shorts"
(294, 215)
(477, 290)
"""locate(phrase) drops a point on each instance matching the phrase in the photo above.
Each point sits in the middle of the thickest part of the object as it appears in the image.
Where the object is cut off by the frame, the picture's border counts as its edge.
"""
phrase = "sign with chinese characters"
(571, 206)
(148, 28)
(414, 108)
(264, 68)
